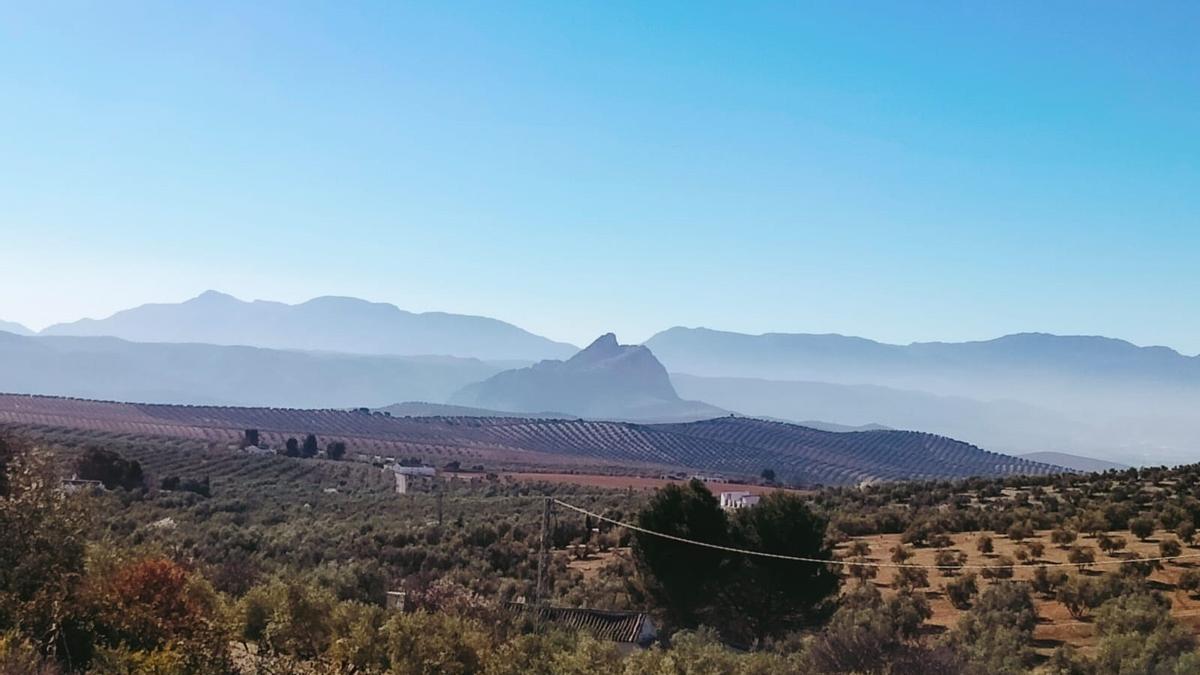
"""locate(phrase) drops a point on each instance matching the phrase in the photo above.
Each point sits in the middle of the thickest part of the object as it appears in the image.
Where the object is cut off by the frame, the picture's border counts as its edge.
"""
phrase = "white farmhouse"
(737, 500)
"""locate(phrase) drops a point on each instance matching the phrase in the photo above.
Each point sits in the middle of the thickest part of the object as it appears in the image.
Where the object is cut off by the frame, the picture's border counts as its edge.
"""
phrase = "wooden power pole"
(543, 553)
(440, 496)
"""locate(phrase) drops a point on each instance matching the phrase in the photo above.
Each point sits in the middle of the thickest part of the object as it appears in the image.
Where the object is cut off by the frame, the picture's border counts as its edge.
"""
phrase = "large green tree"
(774, 596)
(682, 579)
(746, 597)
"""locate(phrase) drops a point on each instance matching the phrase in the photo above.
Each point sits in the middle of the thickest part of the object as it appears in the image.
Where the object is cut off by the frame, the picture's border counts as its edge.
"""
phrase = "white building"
(738, 500)
(405, 474)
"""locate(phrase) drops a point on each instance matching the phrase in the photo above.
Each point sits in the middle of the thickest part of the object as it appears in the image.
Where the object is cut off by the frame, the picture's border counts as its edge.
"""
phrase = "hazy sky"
(947, 171)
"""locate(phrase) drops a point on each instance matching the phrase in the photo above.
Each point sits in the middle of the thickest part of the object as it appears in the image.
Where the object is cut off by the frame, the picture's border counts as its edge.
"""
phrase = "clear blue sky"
(902, 171)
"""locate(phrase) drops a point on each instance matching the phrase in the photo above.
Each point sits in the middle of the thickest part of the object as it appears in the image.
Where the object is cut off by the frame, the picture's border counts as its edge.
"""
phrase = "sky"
(900, 171)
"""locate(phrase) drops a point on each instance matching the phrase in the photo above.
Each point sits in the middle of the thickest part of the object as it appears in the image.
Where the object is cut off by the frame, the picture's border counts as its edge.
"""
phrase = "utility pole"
(440, 494)
(543, 553)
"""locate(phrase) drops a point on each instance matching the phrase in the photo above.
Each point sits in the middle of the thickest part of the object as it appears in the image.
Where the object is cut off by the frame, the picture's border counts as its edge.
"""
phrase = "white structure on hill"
(738, 500)
(404, 474)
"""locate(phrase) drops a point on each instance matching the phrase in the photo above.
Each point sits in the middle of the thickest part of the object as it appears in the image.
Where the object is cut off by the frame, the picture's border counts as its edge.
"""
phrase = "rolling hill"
(1073, 462)
(998, 425)
(333, 324)
(729, 446)
(606, 380)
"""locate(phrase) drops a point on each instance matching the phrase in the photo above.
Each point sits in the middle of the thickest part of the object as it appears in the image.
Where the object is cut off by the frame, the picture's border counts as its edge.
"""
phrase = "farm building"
(405, 475)
(736, 500)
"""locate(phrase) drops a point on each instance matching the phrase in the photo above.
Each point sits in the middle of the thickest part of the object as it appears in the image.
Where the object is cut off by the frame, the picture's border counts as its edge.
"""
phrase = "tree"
(1082, 556)
(1169, 548)
(984, 544)
(1142, 527)
(858, 549)
(684, 580)
(901, 553)
(960, 591)
(1035, 548)
(111, 469)
(1186, 531)
(42, 559)
(1189, 580)
(1109, 544)
(310, 446)
(910, 578)
(1079, 594)
(1092, 522)
(291, 447)
(1063, 537)
(335, 450)
(996, 633)
(949, 562)
(7, 452)
(250, 438)
(1003, 569)
(1046, 582)
(775, 596)
(1020, 531)
(768, 475)
(1139, 635)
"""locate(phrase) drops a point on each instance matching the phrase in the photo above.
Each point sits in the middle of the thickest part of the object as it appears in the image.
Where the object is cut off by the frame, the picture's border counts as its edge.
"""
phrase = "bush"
(962, 590)
(984, 544)
(1169, 548)
(1002, 569)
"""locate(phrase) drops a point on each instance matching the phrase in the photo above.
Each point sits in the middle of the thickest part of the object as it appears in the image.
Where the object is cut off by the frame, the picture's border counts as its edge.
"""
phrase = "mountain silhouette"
(604, 380)
(115, 369)
(14, 328)
(329, 323)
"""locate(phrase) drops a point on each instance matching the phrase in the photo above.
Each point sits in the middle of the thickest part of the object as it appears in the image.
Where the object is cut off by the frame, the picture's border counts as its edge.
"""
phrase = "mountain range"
(114, 369)
(332, 324)
(1029, 392)
(1019, 393)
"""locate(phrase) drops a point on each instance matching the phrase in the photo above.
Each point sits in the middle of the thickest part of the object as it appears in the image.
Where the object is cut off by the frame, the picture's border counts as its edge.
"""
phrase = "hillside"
(322, 324)
(1073, 462)
(423, 409)
(109, 368)
(999, 425)
(729, 446)
(606, 380)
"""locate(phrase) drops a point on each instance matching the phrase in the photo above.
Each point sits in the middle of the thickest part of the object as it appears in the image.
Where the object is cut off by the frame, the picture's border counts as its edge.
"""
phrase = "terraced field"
(728, 446)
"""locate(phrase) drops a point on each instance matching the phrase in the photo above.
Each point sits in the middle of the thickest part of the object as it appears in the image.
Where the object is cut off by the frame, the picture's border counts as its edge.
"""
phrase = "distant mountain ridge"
(334, 324)
(114, 369)
(1019, 393)
(825, 357)
(605, 380)
(14, 328)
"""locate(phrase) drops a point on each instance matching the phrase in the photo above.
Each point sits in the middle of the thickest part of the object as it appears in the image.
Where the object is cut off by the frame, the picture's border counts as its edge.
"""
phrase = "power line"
(856, 563)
